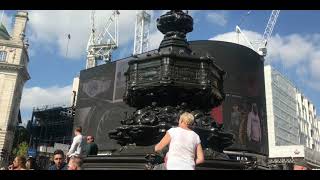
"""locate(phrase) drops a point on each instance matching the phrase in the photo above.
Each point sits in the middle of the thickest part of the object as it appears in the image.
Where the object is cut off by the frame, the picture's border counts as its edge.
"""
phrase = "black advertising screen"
(100, 105)
(243, 111)
(98, 111)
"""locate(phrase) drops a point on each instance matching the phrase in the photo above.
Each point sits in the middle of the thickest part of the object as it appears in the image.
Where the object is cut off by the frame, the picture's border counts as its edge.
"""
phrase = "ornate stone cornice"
(11, 43)
(15, 44)
(16, 68)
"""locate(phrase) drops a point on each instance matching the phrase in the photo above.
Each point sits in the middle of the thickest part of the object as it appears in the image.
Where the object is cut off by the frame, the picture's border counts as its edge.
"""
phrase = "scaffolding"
(141, 36)
(50, 125)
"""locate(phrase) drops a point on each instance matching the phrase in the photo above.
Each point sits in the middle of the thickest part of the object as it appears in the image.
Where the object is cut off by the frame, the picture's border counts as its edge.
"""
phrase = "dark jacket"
(63, 167)
(92, 149)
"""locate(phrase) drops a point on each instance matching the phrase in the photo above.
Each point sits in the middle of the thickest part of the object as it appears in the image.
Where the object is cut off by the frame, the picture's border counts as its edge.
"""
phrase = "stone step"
(127, 162)
(114, 163)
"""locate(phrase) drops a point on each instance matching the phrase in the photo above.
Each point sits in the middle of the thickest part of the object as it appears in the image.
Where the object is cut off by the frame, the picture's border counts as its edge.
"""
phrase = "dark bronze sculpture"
(164, 83)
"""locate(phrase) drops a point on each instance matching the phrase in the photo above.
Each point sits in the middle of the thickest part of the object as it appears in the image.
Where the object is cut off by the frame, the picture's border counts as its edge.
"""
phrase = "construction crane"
(239, 32)
(141, 33)
(100, 46)
(261, 47)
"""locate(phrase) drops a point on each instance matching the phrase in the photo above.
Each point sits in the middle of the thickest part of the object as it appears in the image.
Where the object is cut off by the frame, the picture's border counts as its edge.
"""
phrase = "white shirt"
(78, 146)
(182, 149)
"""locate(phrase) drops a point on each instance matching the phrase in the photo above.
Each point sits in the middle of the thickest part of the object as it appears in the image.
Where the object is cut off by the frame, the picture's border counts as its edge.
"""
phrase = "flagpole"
(67, 48)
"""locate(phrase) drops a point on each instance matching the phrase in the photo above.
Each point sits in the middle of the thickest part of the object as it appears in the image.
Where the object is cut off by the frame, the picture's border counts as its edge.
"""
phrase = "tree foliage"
(21, 149)
(20, 141)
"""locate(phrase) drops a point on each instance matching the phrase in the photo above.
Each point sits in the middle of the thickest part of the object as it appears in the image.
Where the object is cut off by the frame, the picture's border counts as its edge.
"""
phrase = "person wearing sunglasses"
(91, 147)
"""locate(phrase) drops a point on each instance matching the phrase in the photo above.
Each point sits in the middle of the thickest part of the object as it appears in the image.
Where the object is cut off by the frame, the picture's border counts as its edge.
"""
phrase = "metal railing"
(51, 106)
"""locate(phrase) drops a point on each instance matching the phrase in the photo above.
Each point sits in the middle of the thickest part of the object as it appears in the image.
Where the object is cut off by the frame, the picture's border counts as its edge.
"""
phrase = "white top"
(182, 149)
(78, 146)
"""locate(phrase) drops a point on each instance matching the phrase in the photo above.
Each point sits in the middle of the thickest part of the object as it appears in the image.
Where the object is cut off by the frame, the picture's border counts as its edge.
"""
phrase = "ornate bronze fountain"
(164, 83)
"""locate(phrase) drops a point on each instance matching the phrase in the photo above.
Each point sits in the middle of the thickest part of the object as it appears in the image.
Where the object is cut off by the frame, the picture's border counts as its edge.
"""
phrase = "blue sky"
(293, 49)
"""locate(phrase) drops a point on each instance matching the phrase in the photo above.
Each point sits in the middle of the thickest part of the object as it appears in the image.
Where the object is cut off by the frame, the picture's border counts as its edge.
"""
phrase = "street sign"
(32, 152)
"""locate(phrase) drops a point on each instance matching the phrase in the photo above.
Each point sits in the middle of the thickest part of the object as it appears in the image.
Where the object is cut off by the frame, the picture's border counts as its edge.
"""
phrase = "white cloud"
(52, 27)
(300, 53)
(291, 49)
(302, 71)
(155, 40)
(314, 65)
(37, 96)
(218, 18)
(233, 37)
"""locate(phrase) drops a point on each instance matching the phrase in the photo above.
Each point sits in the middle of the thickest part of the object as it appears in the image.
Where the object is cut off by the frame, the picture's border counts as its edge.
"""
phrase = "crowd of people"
(185, 150)
(73, 160)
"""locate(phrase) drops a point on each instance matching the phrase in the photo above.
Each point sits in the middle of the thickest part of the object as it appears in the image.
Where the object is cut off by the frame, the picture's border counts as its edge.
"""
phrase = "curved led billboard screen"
(243, 112)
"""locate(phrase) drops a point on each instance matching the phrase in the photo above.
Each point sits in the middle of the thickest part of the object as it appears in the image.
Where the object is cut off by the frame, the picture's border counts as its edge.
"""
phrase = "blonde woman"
(19, 163)
(185, 150)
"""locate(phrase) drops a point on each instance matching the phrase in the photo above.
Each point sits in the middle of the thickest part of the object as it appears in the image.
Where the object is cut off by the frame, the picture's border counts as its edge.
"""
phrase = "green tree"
(21, 150)
(21, 135)
(20, 142)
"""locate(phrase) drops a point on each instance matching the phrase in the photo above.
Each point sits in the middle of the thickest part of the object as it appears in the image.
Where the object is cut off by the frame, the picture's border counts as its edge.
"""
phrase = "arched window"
(3, 55)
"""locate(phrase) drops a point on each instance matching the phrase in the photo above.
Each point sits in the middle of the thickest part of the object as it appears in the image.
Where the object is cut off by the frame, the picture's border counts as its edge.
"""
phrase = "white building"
(14, 60)
(309, 125)
(75, 87)
(293, 131)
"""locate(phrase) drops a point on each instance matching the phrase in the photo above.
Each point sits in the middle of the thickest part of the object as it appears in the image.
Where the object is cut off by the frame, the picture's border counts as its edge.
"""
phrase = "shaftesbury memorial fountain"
(164, 83)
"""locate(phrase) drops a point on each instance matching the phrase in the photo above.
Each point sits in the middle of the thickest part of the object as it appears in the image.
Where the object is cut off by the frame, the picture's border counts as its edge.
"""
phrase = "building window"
(3, 55)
